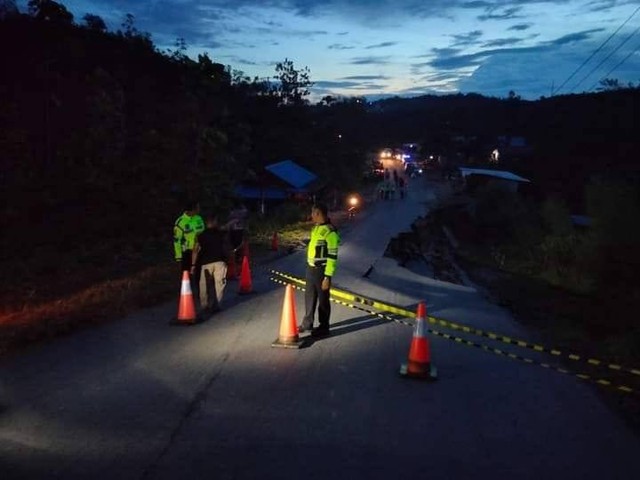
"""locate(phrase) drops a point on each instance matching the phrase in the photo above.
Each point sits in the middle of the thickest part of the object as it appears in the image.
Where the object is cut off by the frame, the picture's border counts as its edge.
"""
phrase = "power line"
(606, 58)
(594, 53)
(615, 68)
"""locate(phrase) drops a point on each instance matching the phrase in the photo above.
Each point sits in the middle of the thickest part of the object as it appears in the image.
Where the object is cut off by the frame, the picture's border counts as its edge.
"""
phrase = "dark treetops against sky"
(375, 48)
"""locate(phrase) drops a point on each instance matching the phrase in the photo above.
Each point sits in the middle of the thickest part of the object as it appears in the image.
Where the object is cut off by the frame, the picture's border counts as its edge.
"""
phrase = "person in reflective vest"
(322, 256)
(185, 230)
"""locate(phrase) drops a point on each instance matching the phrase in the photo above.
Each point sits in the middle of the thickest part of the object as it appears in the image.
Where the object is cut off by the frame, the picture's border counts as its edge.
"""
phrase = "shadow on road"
(350, 326)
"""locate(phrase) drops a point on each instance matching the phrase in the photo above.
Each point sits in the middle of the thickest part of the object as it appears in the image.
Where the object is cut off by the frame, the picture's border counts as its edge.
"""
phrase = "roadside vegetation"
(577, 285)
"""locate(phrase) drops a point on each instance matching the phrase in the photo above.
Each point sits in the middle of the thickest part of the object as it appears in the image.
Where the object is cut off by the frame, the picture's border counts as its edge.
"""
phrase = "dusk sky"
(402, 47)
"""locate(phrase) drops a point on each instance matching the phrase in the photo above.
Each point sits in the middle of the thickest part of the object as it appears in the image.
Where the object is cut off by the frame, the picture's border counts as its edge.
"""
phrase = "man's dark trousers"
(314, 295)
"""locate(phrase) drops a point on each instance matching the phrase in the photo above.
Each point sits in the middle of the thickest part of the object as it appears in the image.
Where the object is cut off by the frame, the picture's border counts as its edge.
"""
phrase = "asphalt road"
(138, 399)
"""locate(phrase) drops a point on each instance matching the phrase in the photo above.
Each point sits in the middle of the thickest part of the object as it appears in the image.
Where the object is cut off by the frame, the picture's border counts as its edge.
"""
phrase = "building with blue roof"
(279, 182)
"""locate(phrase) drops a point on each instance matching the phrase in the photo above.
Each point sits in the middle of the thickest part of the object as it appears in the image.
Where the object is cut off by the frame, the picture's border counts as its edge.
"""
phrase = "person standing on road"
(402, 185)
(211, 251)
(237, 225)
(185, 230)
(322, 256)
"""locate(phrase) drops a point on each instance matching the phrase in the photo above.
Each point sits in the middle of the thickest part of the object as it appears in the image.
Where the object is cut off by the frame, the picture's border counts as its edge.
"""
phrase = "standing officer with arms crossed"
(322, 255)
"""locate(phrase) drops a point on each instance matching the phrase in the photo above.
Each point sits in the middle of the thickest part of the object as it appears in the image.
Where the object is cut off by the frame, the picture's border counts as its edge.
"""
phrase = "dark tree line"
(102, 135)
(96, 125)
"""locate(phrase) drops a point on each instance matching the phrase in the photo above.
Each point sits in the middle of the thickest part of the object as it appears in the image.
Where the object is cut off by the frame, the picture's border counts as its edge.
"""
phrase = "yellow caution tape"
(486, 348)
(353, 297)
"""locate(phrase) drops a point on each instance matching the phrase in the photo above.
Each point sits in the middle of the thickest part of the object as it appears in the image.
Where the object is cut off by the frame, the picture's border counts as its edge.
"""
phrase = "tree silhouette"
(8, 8)
(94, 22)
(50, 11)
(293, 84)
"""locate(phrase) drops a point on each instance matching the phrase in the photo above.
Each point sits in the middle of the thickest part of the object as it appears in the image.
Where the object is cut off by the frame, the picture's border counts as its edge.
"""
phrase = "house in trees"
(279, 182)
(474, 178)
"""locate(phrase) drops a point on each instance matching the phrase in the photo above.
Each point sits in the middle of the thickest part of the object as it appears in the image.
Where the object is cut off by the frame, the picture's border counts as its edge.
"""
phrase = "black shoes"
(315, 332)
(320, 332)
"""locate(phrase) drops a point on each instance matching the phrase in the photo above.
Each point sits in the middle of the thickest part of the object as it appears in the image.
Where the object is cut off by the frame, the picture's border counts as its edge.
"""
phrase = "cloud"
(445, 51)
(477, 4)
(574, 37)
(501, 42)
(443, 60)
(465, 39)
(601, 5)
(367, 77)
(240, 60)
(381, 45)
(520, 26)
(511, 71)
(339, 46)
(439, 77)
(458, 62)
(325, 84)
(500, 13)
(212, 44)
(372, 60)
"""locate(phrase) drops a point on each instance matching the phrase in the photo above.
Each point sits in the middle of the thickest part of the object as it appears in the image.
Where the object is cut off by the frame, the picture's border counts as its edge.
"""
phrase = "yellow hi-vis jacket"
(185, 231)
(323, 248)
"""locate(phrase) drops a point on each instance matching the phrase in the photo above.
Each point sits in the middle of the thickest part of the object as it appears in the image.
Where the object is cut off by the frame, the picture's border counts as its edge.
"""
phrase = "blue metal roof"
(292, 173)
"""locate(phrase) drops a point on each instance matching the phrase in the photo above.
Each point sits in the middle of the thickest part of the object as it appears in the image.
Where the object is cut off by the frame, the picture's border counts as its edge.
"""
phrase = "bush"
(499, 214)
(614, 206)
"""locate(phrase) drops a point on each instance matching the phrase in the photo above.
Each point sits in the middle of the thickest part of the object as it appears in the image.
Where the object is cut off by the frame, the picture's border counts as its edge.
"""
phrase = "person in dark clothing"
(211, 252)
(237, 226)
(402, 186)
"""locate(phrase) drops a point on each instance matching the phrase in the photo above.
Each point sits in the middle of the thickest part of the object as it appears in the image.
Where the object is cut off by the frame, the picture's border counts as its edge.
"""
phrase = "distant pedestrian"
(211, 252)
(402, 185)
(185, 230)
(395, 178)
(322, 256)
(388, 189)
(237, 225)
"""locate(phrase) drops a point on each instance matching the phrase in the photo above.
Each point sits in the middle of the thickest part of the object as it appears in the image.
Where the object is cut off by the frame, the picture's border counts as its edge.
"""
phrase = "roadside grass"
(97, 302)
(53, 293)
(565, 308)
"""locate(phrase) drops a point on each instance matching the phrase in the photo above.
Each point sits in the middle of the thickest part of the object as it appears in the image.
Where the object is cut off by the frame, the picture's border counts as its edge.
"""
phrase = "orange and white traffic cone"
(288, 336)
(274, 242)
(246, 286)
(186, 305)
(419, 364)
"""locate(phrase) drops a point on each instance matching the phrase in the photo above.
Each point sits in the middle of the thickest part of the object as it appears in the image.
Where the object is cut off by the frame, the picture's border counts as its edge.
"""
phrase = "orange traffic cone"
(246, 285)
(274, 241)
(231, 267)
(288, 337)
(419, 364)
(186, 306)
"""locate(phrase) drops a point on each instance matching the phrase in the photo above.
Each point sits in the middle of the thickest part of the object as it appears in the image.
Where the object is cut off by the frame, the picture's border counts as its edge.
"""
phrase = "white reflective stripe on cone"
(185, 288)
(421, 329)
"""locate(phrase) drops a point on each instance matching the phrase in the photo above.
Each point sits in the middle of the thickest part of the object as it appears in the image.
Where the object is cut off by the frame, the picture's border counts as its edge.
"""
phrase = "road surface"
(138, 399)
